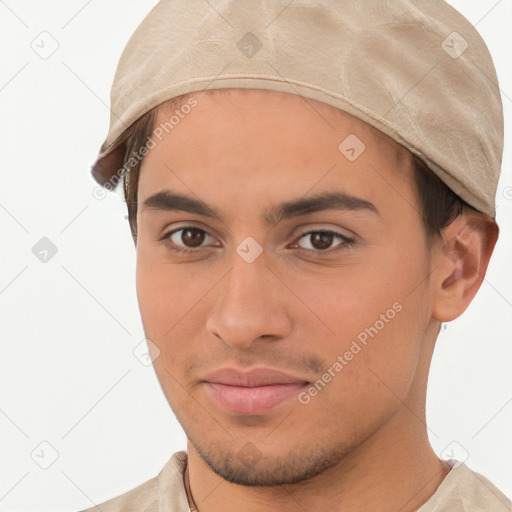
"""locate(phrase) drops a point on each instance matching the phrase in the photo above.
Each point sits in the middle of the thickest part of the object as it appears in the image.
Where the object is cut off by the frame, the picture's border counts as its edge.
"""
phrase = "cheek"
(374, 315)
(171, 298)
(370, 367)
(347, 298)
(167, 305)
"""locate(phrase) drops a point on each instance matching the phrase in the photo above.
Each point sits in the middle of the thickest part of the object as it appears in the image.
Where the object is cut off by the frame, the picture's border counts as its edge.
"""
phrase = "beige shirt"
(462, 490)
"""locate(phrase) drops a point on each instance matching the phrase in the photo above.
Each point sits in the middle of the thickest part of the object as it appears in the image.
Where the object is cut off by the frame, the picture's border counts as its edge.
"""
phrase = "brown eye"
(323, 241)
(192, 237)
(187, 238)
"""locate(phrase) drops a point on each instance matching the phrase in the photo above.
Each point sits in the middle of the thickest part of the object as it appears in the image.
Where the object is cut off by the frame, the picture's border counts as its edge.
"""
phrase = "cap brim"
(108, 167)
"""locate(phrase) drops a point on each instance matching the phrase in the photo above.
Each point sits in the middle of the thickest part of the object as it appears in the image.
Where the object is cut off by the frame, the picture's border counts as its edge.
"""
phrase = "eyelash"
(347, 242)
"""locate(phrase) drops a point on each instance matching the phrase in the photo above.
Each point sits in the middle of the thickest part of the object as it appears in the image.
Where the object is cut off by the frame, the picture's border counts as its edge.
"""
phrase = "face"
(286, 291)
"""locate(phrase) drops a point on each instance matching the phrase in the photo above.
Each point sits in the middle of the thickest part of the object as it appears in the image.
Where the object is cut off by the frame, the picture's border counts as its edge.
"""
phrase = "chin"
(251, 467)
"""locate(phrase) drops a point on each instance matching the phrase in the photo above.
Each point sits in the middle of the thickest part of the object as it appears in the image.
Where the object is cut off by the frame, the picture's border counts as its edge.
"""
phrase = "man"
(310, 188)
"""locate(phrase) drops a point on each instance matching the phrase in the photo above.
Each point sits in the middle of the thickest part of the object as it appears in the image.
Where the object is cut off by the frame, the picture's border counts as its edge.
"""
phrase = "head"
(343, 293)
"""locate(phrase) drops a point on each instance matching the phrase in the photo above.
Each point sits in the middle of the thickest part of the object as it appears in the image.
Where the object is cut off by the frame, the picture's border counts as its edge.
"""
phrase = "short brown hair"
(438, 204)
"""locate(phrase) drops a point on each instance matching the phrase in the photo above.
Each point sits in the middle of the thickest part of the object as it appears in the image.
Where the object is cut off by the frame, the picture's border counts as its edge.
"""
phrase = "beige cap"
(416, 70)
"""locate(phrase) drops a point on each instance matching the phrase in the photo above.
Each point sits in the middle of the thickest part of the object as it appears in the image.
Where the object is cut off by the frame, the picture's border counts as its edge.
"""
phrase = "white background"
(68, 375)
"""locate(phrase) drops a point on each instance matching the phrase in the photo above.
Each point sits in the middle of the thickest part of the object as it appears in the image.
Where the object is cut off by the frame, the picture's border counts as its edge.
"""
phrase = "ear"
(462, 258)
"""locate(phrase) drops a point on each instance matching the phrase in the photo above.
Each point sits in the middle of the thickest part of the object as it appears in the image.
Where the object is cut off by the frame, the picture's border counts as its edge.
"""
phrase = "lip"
(253, 392)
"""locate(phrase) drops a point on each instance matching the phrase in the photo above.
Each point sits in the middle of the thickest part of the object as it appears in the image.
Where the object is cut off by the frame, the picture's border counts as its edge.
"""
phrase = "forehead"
(255, 141)
(295, 107)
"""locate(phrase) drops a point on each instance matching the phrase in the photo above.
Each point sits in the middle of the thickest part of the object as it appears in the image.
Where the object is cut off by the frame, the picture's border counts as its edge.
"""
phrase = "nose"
(250, 303)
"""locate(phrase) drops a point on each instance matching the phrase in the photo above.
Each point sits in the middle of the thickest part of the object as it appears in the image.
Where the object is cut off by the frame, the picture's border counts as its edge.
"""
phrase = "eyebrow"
(335, 200)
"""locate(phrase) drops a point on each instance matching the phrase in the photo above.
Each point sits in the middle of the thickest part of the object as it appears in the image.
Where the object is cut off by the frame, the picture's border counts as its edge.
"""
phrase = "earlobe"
(462, 261)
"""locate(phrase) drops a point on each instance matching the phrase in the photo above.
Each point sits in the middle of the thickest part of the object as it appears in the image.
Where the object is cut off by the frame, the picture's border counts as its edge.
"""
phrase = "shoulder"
(143, 498)
(465, 490)
(166, 487)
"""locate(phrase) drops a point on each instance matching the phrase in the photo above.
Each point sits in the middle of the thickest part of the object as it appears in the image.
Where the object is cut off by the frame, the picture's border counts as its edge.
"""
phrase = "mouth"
(254, 392)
